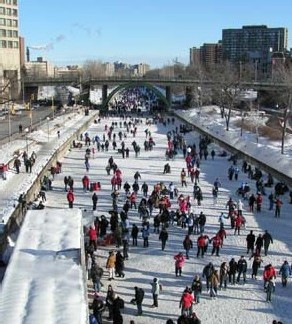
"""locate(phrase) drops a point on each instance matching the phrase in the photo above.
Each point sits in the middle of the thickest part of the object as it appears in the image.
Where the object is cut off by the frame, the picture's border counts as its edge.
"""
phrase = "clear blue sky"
(134, 31)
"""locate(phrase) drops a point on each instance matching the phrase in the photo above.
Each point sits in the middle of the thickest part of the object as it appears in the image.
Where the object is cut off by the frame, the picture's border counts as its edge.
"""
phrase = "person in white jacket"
(155, 289)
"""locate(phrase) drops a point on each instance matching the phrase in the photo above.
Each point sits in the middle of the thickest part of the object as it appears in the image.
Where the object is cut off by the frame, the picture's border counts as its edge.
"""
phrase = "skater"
(257, 260)
(187, 244)
(156, 288)
(285, 272)
(267, 240)
(270, 289)
(250, 241)
(207, 272)
(70, 198)
(186, 302)
(163, 237)
(241, 268)
(179, 262)
(110, 264)
(197, 288)
(94, 200)
(139, 296)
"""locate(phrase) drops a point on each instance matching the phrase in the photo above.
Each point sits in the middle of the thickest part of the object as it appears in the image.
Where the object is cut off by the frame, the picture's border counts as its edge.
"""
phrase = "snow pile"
(44, 279)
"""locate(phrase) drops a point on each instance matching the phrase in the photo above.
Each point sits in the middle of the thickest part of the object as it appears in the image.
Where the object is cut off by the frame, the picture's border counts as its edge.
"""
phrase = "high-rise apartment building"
(9, 45)
(195, 56)
(207, 55)
(254, 44)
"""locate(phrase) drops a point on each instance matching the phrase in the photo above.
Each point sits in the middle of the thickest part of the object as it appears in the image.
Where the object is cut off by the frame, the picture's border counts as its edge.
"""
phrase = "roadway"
(26, 118)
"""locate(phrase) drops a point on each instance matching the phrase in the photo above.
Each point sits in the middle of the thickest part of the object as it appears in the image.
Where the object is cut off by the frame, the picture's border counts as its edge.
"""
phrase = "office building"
(9, 47)
(254, 45)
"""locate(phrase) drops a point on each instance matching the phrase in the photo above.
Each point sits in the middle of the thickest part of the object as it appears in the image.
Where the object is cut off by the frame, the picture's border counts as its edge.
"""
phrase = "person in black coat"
(118, 304)
(98, 307)
(241, 269)
(267, 239)
(120, 265)
(259, 243)
(103, 224)
(232, 271)
(163, 237)
(94, 201)
(250, 240)
(134, 234)
(139, 296)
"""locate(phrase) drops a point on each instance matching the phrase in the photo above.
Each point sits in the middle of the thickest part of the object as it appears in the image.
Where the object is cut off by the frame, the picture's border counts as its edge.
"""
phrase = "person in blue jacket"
(285, 271)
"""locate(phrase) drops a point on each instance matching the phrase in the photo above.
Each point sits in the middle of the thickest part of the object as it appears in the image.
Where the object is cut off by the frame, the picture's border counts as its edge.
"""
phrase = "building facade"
(9, 47)
(254, 45)
(39, 68)
(207, 55)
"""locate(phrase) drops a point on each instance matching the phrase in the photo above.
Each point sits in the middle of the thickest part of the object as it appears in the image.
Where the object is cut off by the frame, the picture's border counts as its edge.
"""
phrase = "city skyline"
(157, 34)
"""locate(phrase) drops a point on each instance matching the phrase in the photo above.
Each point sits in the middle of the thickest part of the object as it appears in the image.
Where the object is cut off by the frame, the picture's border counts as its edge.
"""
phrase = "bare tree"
(199, 94)
(93, 69)
(226, 86)
(283, 75)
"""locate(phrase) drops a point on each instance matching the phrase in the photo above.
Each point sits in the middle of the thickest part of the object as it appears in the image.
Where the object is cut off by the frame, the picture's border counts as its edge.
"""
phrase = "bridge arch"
(132, 85)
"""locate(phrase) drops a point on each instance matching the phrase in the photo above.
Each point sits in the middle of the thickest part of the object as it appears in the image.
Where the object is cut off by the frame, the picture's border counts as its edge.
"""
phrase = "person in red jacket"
(70, 198)
(216, 244)
(92, 233)
(269, 273)
(222, 234)
(238, 222)
(201, 245)
(133, 199)
(259, 201)
(179, 262)
(85, 183)
(186, 302)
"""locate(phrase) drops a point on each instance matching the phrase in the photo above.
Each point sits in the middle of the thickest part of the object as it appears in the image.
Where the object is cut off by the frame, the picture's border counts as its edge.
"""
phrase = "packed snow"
(35, 289)
(238, 303)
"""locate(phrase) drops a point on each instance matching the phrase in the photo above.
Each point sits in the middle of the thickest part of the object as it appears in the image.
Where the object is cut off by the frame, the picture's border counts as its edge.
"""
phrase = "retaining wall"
(14, 223)
(278, 174)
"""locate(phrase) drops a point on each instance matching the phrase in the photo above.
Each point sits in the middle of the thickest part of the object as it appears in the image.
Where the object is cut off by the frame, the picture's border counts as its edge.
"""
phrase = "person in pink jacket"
(179, 262)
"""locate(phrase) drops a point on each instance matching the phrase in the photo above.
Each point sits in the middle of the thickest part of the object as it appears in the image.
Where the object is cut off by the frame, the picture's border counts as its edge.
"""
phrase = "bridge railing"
(180, 80)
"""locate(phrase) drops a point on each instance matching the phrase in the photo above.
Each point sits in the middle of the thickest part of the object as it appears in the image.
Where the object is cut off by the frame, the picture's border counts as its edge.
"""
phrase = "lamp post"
(199, 101)
(48, 125)
(26, 132)
(9, 120)
(9, 123)
(256, 71)
(53, 108)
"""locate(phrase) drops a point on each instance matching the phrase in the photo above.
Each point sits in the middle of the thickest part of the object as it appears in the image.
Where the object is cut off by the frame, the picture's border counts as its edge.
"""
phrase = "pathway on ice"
(238, 304)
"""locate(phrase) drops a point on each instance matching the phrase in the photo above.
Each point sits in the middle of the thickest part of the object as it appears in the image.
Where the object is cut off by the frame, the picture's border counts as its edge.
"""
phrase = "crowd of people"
(158, 208)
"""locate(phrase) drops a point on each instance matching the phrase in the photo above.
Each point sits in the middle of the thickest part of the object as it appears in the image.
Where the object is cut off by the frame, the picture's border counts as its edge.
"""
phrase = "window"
(3, 44)
(8, 22)
(8, 11)
(14, 12)
(2, 11)
(9, 2)
(15, 2)
(2, 1)
(2, 22)
(9, 43)
(2, 32)
(15, 44)
(14, 23)
(8, 33)
(15, 33)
